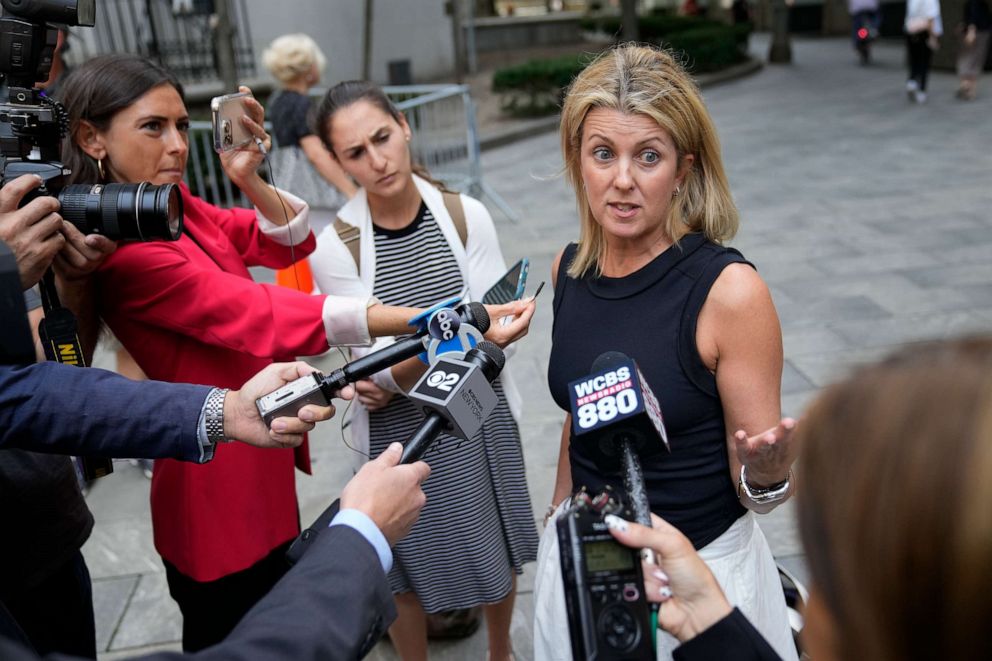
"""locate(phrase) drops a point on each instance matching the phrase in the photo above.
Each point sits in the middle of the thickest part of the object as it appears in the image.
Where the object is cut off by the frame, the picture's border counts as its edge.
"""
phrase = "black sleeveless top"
(651, 315)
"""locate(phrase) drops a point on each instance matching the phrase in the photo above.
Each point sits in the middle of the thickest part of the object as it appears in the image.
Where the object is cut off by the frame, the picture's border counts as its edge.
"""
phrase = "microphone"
(456, 395)
(617, 418)
(440, 323)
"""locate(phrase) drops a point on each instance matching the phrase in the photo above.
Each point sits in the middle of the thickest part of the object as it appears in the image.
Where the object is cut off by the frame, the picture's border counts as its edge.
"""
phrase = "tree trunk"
(224, 46)
(367, 42)
(628, 9)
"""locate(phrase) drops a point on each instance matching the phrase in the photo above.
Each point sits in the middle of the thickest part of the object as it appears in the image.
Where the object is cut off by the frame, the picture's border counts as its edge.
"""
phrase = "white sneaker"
(911, 88)
(920, 97)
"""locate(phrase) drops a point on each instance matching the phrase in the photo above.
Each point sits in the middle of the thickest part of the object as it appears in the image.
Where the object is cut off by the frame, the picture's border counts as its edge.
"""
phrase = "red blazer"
(189, 312)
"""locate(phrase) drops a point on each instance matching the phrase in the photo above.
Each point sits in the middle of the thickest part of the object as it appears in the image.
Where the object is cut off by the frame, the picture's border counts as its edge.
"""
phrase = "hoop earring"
(99, 167)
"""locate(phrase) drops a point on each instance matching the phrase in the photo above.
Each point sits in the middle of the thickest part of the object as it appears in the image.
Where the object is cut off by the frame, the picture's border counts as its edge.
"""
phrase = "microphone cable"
(344, 420)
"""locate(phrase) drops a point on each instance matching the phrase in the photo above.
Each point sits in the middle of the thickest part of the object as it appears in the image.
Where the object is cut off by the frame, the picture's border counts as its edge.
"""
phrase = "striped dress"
(477, 527)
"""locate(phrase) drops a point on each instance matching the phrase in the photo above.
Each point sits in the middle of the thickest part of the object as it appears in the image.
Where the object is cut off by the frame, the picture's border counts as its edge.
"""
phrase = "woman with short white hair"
(302, 164)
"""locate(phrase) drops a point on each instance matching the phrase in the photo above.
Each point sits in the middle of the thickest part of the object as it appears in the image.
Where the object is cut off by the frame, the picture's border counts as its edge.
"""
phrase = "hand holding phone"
(229, 131)
(510, 287)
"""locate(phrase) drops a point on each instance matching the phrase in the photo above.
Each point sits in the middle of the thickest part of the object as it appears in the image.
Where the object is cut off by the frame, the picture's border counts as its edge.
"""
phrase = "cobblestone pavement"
(868, 216)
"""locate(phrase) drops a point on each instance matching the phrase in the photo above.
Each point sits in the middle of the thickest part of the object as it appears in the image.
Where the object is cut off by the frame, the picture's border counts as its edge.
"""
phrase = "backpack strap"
(453, 203)
(349, 235)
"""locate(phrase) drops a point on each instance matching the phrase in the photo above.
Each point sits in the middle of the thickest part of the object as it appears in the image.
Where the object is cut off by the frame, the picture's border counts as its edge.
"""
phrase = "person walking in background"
(415, 242)
(300, 163)
(923, 28)
(974, 48)
(864, 14)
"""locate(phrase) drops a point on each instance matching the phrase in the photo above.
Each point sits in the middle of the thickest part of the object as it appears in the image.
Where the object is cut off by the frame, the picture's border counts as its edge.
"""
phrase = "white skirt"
(739, 558)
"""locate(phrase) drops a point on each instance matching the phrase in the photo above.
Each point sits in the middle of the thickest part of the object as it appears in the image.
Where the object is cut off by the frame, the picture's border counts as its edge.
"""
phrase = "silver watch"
(213, 415)
(763, 495)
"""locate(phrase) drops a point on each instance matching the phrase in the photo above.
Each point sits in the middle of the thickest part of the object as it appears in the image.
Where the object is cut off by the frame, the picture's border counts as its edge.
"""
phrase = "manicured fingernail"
(615, 522)
(665, 592)
(660, 575)
(279, 426)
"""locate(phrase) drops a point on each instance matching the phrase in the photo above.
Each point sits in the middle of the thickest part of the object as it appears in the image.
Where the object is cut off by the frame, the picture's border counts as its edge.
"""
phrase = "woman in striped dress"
(419, 245)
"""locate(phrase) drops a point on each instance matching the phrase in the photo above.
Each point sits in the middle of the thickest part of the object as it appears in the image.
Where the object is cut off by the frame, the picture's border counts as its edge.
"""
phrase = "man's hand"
(34, 232)
(388, 494)
(242, 421)
(691, 599)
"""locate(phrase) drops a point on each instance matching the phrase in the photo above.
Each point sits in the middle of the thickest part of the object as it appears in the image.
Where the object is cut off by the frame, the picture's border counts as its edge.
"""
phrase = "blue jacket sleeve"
(61, 409)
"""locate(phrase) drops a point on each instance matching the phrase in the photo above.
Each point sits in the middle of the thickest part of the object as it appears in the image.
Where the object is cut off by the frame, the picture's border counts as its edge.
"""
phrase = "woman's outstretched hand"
(519, 315)
(769, 455)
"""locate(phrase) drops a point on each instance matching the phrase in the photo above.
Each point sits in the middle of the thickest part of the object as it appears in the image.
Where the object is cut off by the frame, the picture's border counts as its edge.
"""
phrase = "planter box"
(501, 33)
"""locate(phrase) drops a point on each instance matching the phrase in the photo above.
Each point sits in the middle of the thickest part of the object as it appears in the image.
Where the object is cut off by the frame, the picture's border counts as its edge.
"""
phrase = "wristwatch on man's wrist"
(212, 424)
(763, 495)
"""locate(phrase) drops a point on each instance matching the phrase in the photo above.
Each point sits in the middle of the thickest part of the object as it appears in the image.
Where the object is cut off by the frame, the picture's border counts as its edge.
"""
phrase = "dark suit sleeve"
(733, 637)
(61, 409)
(334, 605)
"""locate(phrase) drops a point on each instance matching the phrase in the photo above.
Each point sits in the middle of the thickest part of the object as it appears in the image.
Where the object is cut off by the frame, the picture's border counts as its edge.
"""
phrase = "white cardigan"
(480, 262)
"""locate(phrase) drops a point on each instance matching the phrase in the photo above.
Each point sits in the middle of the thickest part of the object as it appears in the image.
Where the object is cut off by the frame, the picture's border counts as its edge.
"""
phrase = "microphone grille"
(494, 352)
(477, 316)
(608, 359)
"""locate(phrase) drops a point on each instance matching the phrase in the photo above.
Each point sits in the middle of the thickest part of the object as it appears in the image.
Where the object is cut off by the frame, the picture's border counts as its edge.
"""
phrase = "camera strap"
(58, 331)
(60, 337)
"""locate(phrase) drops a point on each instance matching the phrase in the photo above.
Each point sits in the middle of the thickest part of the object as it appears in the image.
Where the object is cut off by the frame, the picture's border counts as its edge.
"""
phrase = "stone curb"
(531, 127)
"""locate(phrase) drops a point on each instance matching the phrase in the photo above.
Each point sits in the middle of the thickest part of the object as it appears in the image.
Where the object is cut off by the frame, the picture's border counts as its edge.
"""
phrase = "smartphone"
(510, 287)
(226, 113)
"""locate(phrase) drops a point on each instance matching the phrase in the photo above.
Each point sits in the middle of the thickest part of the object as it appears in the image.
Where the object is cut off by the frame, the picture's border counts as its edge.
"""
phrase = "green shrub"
(710, 48)
(535, 87)
(651, 28)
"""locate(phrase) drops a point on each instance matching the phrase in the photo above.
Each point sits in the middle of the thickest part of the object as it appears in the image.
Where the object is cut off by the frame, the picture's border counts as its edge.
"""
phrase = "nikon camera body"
(608, 614)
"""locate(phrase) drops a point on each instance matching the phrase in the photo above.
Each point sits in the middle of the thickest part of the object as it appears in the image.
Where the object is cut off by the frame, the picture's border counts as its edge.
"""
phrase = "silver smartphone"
(226, 113)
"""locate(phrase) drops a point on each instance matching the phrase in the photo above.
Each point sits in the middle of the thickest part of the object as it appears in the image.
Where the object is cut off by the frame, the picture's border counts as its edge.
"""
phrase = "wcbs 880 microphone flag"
(615, 403)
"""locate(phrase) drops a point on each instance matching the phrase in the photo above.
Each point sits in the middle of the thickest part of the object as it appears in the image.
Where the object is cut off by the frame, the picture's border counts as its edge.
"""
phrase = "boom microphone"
(442, 324)
(457, 397)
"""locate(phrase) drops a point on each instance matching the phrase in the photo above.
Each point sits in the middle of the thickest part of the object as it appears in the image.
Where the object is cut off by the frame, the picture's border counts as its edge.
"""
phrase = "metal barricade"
(445, 141)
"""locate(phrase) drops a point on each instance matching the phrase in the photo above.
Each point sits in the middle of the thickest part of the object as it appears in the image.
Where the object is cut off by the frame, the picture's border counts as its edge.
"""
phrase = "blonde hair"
(648, 81)
(290, 56)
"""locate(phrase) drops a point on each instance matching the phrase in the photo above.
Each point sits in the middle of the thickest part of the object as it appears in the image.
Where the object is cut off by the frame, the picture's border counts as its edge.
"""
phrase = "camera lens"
(125, 212)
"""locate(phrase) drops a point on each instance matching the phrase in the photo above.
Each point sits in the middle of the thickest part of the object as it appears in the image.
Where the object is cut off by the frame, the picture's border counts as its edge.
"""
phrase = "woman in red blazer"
(188, 311)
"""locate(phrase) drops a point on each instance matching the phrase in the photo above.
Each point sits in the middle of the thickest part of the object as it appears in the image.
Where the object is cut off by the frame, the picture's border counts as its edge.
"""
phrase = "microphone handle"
(422, 438)
(387, 357)
(633, 479)
(414, 449)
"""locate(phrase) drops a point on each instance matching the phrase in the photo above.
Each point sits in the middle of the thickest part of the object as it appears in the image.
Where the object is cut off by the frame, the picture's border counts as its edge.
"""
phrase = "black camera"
(608, 614)
(32, 127)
